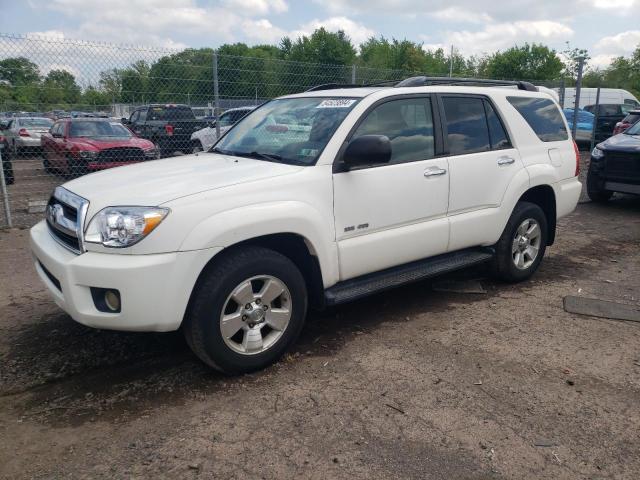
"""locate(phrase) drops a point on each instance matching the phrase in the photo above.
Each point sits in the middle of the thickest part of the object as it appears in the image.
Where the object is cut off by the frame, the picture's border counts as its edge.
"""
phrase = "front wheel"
(249, 306)
(594, 189)
(522, 243)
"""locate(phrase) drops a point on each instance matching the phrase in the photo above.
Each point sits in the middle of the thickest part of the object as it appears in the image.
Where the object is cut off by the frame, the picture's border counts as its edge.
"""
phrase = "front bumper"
(154, 289)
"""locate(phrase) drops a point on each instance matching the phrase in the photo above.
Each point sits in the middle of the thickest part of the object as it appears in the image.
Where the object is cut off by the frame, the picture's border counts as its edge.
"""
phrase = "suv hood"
(622, 142)
(156, 182)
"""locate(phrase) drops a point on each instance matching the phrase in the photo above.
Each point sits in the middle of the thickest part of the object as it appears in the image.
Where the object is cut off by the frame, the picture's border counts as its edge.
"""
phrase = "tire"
(224, 286)
(594, 190)
(46, 164)
(514, 260)
(75, 167)
(196, 146)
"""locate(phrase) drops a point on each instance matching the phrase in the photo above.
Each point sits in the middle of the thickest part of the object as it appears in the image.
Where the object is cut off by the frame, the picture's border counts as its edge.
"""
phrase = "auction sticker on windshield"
(336, 103)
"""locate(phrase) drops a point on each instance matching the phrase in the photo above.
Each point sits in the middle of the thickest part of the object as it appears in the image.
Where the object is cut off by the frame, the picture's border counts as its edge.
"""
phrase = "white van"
(615, 96)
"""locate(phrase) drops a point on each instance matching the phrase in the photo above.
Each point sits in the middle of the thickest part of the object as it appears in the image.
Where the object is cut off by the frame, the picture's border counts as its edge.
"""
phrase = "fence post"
(353, 74)
(5, 194)
(216, 96)
(595, 120)
(561, 93)
(577, 101)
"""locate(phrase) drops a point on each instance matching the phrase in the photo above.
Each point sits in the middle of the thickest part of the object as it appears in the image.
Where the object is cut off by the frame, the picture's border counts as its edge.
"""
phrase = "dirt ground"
(412, 383)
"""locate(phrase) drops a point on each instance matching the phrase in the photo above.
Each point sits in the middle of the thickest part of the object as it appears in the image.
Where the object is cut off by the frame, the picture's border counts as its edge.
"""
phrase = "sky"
(607, 28)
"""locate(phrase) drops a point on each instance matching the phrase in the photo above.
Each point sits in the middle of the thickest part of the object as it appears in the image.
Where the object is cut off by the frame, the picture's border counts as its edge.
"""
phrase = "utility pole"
(451, 63)
(216, 96)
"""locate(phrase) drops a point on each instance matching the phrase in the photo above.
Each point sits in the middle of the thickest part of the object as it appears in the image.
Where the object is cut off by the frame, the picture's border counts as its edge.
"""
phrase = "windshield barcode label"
(336, 103)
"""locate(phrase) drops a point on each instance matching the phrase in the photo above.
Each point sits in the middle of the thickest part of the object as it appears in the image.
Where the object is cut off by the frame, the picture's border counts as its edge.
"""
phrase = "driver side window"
(409, 125)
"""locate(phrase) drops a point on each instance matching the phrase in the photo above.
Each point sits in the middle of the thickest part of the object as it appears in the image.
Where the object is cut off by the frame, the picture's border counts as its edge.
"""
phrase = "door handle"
(434, 172)
(506, 160)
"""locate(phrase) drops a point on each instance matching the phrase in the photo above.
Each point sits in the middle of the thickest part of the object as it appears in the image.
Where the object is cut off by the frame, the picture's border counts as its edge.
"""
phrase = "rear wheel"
(522, 244)
(248, 307)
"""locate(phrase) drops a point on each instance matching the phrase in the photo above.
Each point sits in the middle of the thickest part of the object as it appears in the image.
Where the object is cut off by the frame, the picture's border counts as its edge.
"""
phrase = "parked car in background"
(7, 167)
(81, 145)
(588, 96)
(203, 139)
(615, 166)
(584, 126)
(23, 133)
(632, 117)
(609, 114)
(169, 126)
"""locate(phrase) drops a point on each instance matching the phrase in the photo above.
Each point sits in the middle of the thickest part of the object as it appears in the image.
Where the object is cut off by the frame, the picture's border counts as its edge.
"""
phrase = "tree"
(323, 47)
(19, 71)
(59, 89)
(528, 62)
(572, 60)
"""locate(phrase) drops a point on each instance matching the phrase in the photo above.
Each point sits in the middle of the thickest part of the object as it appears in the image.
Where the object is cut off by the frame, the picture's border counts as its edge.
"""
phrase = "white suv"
(312, 199)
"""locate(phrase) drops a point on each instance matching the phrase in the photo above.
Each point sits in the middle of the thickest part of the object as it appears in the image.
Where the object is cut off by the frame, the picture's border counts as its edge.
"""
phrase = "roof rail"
(333, 86)
(423, 81)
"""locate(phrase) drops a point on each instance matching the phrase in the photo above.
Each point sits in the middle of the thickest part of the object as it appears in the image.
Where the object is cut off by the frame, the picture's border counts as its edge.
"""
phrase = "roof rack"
(423, 81)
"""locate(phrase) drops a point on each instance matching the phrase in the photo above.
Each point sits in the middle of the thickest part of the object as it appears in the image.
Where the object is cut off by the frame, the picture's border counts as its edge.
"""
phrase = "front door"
(387, 215)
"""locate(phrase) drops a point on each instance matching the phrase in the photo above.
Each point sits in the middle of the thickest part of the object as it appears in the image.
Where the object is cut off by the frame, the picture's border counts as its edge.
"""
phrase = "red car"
(632, 117)
(76, 146)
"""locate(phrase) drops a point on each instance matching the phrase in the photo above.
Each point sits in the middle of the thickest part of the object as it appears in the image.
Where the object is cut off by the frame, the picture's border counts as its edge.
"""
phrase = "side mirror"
(367, 150)
(124, 121)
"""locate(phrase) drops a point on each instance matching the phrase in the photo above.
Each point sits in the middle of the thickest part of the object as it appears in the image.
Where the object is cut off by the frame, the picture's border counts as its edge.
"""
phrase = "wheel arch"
(293, 246)
(545, 198)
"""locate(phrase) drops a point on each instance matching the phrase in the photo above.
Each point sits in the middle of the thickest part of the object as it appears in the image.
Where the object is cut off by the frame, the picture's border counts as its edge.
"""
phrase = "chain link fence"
(68, 108)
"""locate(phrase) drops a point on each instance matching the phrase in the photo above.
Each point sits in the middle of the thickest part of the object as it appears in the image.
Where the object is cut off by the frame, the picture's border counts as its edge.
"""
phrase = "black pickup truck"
(168, 126)
(608, 115)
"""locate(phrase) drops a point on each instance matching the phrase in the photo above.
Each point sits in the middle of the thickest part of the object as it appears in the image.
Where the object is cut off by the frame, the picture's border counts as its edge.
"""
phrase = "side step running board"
(359, 287)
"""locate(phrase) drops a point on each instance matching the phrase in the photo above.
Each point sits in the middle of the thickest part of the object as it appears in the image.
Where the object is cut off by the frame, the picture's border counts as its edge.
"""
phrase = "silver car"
(205, 138)
(23, 133)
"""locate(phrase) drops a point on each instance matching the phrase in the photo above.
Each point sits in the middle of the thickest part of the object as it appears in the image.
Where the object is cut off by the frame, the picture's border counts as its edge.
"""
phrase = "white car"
(360, 190)
(203, 139)
(22, 133)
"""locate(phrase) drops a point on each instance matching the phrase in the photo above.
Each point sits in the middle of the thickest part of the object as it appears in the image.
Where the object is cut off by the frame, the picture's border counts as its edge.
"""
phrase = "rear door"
(482, 163)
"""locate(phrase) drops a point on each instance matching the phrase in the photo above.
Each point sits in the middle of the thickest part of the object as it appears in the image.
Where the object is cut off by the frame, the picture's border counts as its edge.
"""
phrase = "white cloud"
(621, 44)
(456, 14)
(612, 4)
(258, 7)
(262, 31)
(498, 36)
(356, 31)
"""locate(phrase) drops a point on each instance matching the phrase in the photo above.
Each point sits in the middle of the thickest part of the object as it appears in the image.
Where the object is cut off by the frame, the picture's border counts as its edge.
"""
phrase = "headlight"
(152, 152)
(597, 153)
(119, 227)
(88, 155)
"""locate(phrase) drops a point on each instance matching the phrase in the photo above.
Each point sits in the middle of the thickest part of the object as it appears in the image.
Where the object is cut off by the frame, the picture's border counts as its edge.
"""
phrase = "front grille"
(622, 166)
(121, 154)
(64, 214)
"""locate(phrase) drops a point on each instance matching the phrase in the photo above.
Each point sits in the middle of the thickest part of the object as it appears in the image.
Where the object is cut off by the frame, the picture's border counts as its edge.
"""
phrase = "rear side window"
(467, 129)
(171, 113)
(543, 116)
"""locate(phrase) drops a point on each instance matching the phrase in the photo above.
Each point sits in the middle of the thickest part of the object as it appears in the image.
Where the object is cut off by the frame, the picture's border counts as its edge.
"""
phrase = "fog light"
(106, 299)
(112, 300)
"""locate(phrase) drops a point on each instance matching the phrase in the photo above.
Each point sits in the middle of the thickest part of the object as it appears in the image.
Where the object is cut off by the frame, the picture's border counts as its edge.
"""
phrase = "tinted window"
(142, 115)
(94, 129)
(497, 133)
(171, 113)
(610, 109)
(467, 130)
(543, 117)
(134, 116)
(226, 119)
(409, 126)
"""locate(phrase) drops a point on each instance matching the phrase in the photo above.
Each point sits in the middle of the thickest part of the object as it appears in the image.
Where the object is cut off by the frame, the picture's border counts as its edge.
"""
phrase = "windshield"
(288, 130)
(92, 129)
(633, 129)
(35, 122)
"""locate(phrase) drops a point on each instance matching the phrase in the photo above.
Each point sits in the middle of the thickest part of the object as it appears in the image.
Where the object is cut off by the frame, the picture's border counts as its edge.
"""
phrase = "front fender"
(233, 226)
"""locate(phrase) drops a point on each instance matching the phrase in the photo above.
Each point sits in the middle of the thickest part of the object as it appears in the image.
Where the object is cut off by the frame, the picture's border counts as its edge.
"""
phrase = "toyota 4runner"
(312, 199)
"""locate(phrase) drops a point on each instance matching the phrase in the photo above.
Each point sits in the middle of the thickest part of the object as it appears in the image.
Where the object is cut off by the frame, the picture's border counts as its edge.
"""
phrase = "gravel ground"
(412, 383)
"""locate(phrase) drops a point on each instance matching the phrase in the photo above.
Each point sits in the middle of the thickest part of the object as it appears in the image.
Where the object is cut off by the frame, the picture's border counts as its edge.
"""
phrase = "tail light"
(168, 129)
(23, 132)
(575, 148)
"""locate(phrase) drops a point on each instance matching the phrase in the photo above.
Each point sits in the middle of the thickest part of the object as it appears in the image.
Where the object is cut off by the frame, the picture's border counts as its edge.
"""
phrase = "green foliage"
(260, 72)
(528, 62)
